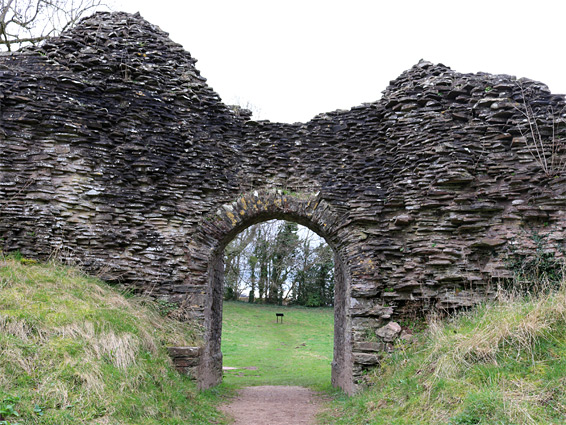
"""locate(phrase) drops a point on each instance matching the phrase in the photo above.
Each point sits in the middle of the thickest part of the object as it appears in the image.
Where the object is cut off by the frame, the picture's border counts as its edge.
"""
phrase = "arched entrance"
(221, 227)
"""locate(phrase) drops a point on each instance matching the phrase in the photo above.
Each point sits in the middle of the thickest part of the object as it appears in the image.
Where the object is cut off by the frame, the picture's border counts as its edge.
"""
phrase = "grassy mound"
(73, 350)
(503, 363)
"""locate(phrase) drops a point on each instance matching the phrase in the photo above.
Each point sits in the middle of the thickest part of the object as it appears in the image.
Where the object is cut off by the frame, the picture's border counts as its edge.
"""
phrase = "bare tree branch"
(5, 10)
(25, 22)
(16, 40)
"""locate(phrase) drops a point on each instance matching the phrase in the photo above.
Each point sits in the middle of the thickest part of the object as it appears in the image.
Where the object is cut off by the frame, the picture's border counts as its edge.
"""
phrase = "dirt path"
(273, 406)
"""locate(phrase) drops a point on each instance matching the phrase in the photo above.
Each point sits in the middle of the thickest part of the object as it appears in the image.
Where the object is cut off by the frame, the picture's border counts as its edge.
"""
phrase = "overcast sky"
(294, 59)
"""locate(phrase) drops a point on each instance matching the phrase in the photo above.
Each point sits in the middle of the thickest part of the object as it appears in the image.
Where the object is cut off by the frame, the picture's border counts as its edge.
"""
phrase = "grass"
(503, 363)
(73, 350)
(296, 352)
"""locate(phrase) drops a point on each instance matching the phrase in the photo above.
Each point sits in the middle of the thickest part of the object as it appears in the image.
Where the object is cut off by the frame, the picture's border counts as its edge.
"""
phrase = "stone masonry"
(115, 154)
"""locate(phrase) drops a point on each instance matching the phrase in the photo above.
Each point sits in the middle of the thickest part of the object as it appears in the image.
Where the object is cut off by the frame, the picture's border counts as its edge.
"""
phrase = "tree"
(263, 251)
(252, 261)
(282, 259)
(314, 281)
(25, 22)
(324, 277)
(236, 256)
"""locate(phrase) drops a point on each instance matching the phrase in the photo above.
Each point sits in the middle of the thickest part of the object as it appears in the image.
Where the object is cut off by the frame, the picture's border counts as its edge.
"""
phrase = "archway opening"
(278, 311)
(207, 253)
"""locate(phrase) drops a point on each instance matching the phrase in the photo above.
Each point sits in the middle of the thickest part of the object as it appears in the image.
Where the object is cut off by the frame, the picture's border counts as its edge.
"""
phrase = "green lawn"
(297, 352)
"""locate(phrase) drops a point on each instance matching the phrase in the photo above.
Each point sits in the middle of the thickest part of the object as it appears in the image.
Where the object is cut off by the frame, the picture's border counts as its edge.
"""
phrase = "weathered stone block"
(184, 352)
(366, 359)
(369, 346)
(389, 332)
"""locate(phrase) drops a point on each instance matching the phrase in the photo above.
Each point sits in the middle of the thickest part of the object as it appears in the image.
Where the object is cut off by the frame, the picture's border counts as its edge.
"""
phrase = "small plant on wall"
(540, 269)
(542, 140)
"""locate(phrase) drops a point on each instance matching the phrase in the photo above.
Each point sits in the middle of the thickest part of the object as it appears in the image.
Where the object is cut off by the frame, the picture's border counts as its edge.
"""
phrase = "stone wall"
(114, 153)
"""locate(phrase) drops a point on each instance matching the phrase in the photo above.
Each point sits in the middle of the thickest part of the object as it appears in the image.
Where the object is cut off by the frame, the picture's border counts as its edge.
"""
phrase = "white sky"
(294, 59)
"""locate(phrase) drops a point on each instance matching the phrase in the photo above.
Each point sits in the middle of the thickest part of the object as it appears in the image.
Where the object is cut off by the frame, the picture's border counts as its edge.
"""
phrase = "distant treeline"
(279, 262)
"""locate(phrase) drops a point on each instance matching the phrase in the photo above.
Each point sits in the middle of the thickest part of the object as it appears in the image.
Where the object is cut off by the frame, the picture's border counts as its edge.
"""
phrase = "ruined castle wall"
(114, 153)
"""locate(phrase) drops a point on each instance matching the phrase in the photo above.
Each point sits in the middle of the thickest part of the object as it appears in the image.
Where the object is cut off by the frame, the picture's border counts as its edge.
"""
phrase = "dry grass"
(509, 326)
(15, 327)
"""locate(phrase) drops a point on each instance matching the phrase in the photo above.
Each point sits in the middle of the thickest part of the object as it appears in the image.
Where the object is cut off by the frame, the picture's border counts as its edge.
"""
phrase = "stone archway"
(223, 225)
